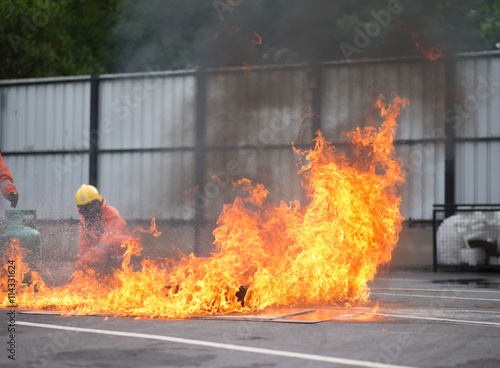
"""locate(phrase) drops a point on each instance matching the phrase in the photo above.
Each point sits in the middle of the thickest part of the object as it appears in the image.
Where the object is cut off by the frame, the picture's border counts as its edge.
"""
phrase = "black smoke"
(190, 33)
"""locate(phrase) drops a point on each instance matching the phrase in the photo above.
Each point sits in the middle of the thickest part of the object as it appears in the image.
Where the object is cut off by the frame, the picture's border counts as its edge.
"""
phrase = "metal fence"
(147, 140)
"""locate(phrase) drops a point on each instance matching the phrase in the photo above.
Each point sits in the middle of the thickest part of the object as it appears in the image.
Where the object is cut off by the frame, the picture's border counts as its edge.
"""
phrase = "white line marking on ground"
(217, 345)
(435, 290)
(402, 280)
(439, 296)
(496, 324)
(476, 311)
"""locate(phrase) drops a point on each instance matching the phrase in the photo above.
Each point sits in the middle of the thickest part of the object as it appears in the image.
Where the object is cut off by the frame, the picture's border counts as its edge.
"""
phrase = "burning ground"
(285, 254)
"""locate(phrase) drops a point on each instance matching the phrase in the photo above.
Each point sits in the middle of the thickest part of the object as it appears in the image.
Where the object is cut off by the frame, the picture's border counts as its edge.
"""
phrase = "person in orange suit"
(102, 231)
(9, 191)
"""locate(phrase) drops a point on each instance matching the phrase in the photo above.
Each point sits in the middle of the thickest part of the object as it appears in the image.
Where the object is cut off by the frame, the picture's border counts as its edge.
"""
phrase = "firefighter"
(102, 231)
(9, 191)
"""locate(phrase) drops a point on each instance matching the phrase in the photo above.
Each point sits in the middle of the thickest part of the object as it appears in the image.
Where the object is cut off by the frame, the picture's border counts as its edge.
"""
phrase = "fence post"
(434, 240)
(94, 130)
(200, 151)
(450, 134)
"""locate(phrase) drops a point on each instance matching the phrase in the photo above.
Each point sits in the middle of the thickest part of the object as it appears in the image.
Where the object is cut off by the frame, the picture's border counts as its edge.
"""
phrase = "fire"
(246, 67)
(14, 256)
(226, 3)
(152, 229)
(307, 113)
(431, 53)
(16, 274)
(366, 317)
(257, 41)
(284, 254)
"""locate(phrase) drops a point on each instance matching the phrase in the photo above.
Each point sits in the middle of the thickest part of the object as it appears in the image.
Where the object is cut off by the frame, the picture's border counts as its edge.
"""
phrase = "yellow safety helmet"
(86, 194)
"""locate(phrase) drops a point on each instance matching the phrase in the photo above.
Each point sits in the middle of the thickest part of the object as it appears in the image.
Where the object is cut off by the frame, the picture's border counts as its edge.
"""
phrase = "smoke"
(154, 34)
(173, 35)
(288, 31)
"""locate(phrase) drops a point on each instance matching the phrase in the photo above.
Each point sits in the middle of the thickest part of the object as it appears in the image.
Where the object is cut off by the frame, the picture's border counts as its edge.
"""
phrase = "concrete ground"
(424, 319)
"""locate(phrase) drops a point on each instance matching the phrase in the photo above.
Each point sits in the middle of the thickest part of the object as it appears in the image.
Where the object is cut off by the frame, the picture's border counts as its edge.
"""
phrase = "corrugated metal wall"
(148, 125)
(43, 119)
(252, 120)
(478, 116)
(147, 158)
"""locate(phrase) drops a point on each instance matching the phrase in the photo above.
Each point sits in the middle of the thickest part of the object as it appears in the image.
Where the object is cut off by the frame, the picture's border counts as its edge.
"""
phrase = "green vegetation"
(48, 38)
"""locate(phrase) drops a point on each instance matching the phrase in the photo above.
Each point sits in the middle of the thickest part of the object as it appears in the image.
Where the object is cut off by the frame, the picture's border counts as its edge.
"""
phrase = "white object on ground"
(456, 231)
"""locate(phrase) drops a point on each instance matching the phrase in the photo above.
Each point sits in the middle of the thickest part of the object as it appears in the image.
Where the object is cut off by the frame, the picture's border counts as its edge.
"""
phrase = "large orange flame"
(280, 254)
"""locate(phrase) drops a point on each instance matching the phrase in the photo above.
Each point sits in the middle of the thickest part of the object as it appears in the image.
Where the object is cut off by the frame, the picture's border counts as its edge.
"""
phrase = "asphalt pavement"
(423, 319)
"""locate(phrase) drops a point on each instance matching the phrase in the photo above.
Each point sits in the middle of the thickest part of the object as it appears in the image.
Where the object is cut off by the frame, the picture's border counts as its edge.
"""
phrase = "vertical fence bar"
(434, 240)
(450, 133)
(94, 130)
(200, 151)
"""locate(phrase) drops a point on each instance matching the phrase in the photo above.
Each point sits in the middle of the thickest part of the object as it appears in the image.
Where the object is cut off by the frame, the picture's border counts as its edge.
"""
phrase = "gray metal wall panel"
(494, 188)
(478, 97)
(465, 107)
(424, 179)
(48, 183)
(493, 88)
(482, 117)
(261, 108)
(276, 169)
(147, 113)
(285, 182)
(349, 92)
(45, 117)
(478, 172)
(147, 185)
(465, 181)
(478, 111)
